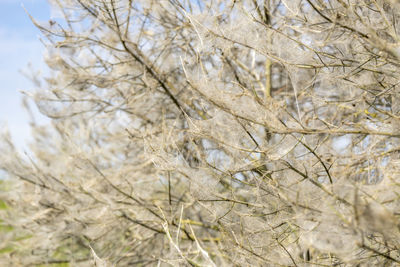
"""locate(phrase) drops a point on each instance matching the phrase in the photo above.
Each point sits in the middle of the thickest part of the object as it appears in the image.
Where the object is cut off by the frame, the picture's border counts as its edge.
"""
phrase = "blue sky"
(19, 45)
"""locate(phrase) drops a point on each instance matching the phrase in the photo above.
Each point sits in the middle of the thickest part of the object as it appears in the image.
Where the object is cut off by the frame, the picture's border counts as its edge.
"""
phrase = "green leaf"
(3, 205)
(7, 249)
(6, 228)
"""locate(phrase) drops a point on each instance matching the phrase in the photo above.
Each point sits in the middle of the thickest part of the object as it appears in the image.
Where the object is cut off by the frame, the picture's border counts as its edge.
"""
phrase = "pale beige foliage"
(211, 133)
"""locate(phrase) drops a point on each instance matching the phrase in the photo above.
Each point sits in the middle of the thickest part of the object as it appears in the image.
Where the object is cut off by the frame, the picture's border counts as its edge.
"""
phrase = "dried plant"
(211, 133)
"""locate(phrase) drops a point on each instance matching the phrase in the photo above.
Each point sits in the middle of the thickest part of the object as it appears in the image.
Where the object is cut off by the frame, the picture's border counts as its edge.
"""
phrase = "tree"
(212, 133)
